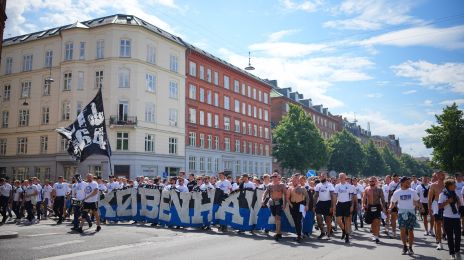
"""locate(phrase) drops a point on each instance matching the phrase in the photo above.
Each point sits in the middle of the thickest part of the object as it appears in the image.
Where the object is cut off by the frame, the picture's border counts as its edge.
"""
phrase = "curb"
(8, 234)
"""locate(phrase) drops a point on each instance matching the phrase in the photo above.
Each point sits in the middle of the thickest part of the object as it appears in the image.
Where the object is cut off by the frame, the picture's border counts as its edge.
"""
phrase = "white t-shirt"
(324, 190)
(5, 189)
(29, 191)
(39, 190)
(249, 185)
(102, 187)
(182, 188)
(415, 184)
(385, 190)
(61, 189)
(113, 186)
(459, 186)
(405, 198)
(17, 194)
(420, 191)
(394, 186)
(344, 192)
(224, 185)
(78, 190)
(89, 188)
(359, 191)
(205, 186)
(235, 186)
(447, 211)
(47, 190)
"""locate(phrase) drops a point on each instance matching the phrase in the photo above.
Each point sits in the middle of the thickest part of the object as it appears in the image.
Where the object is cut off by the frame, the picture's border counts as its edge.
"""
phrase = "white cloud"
(450, 102)
(409, 92)
(449, 38)
(277, 36)
(56, 13)
(374, 95)
(306, 5)
(372, 14)
(428, 103)
(435, 76)
(410, 135)
(288, 49)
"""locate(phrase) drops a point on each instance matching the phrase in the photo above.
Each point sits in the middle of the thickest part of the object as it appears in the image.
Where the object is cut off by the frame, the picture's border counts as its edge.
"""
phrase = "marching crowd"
(392, 202)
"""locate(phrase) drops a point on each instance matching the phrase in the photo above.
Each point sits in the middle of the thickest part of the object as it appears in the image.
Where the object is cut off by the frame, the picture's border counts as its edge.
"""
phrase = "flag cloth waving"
(87, 135)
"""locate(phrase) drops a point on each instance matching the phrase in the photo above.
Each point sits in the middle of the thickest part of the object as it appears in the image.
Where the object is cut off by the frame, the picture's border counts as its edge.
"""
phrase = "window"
(26, 89)
(99, 79)
(209, 120)
(5, 118)
(8, 65)
(45, 115)
(260, 96)
(192, 115)
(226, 103)
(125, 48)
(48, 59)
(261, 132)
(216, 99)
(172, 145)
(216, 78)
(243, 89)
(149, 143)
(68, 51)
(244, 128)
(67, 81)
(250, 149)
(64, 144)
(244, 108)
(202, 72)
(216, 142)
(193, 69)
(150, 112)
(266, 149)
(82, 50)
(236, 86)
(266, 98)
(193, 92)
(100, 49)
(6, 92)
(208, 97)
(266, 115)
(226, 123)
(227, 144)
(173, 63)
(46, 88)
(192, 163)
(22, 145)
(122, 141)
(237, 146)
(173, 117)
(249, 91)
(208, 75)
(202, 163)
(202, 140)
(210, 141)
(260, 113)
(43, 144)
(23, 117)
(173, 89)
(255, 130)
(237, 126)
(66, 111)
(216, 164)
(226, 82)
(78, 107)
(193, 139)
(255, 112)
(266, 133)
(151, 54)
(202, 95)
(209, 163)
(124, 78)
(3, 146)
(237, 106)
(80, 80)
(249, 110)
(27, 62)
(202, 117)
(244, 147)
(254, 93)
(250, 129)
(216, 121)
(150, 82)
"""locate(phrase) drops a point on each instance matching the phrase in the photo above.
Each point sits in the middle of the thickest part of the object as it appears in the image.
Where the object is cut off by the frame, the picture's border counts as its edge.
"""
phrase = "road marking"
(43, 234)
(97, 251)
(59, 244)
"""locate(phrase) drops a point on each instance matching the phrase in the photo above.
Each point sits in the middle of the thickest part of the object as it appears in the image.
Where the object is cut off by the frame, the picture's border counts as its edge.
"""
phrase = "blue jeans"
(77, 214)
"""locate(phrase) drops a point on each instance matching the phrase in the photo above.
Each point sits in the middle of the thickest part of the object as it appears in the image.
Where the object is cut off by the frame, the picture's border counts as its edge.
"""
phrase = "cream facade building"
(141, 70)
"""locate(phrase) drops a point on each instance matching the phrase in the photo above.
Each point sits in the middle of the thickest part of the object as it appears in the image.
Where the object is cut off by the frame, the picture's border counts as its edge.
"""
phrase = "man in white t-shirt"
(223, 184)
(449, 202)
(246, 183)
(358, 211)
(181, 186)
(5, 194)
(406, 200)
(60, 190)
(30, 195)
(39, 198)
(90, 203)
(459, 187)
(423, 192)
(18, 193)
(47, 197)
(325, 203)
(345, 195)
(77, 195)
(392, 187)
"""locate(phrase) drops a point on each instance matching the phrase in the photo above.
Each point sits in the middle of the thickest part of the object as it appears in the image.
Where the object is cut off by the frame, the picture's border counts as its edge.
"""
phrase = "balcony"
(126, 121)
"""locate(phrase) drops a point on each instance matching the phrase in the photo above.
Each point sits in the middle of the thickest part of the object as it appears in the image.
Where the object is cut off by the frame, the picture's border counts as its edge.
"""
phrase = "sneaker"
(405, 250)
(410, 251)
(298, 239)
(439, 246)
(98, 229)
(377, 241)
(277, 237)
(452, 257)
(432, 234)
(80, 230)
(426, 233)
(343, 235)
(347, 239)
(321, 235)
(90, 224)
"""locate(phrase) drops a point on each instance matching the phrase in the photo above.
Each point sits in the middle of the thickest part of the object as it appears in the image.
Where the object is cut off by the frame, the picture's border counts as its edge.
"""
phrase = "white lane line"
(98, 251)
(43, 234)
(59, 244)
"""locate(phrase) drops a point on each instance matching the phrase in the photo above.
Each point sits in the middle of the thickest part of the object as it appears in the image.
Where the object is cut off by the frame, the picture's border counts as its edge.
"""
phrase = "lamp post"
(249, 67)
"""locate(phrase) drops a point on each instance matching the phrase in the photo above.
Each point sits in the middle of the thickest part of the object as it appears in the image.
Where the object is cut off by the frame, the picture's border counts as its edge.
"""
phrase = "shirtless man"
(297, 196)
(276, 193)
(325, 203)
(435, 189)
(374, 203)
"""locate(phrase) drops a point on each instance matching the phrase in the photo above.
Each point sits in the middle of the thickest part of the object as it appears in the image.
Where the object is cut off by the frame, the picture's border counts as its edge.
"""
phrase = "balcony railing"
(130, 121)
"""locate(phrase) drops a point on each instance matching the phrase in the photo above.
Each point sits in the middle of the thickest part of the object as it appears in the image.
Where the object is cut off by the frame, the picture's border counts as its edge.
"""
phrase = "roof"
(112, 19)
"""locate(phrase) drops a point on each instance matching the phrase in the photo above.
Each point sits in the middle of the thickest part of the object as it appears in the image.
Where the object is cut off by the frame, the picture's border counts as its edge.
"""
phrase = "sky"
(391, 63)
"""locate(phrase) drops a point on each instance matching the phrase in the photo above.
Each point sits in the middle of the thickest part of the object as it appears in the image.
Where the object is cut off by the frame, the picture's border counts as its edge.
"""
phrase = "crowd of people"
(391, 202)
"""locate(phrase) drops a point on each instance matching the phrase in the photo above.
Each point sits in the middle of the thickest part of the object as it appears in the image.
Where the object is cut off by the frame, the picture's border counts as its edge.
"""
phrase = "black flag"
(87, 135)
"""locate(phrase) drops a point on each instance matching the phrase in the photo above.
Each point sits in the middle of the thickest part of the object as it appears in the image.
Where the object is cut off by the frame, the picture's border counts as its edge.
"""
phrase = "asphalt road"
(127, 241)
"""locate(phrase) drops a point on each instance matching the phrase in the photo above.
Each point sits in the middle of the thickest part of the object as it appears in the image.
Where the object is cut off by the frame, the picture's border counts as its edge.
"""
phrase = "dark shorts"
(343, 209)
(276, 207)
(372, 212)
(407, 221)
(89, 206)
(323, 208)
(439, 216)
(426, 209)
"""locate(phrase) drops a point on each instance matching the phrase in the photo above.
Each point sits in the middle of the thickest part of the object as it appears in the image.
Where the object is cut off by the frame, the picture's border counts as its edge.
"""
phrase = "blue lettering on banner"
(240, 210)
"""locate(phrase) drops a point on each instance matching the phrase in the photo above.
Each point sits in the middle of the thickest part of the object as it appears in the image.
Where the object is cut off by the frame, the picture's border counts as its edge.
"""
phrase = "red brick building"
(227, 114)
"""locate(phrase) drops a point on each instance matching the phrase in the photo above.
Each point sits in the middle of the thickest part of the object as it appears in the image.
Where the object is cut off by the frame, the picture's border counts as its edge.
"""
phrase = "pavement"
(47, 240)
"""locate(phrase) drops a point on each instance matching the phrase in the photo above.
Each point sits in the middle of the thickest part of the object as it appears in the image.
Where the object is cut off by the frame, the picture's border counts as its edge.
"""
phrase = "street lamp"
(49, 79)
(25, 103)
(249, 63)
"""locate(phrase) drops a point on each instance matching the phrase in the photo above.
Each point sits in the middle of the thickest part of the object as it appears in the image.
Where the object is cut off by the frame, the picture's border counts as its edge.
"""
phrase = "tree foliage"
(447, 139)
(392, 161)
(298, 144)
(345, 153)
(374, 163)
(415, 167)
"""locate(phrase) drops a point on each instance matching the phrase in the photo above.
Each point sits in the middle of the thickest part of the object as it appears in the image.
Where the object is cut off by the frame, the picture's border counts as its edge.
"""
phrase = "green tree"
(392, 161)
(415, 167)
(345, 153)
(447, 139)
(298, 145)
(374, 164)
